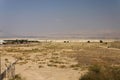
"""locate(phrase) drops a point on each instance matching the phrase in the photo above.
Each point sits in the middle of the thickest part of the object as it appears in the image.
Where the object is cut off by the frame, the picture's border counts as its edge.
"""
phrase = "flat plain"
(59, 60)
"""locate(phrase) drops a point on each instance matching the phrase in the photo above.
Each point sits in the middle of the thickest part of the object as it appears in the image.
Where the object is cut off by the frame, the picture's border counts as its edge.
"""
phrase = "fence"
(9, 72)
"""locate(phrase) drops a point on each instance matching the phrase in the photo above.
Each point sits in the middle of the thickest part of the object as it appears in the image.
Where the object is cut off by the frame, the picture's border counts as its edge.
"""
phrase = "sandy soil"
(34, 73)
(56, 61)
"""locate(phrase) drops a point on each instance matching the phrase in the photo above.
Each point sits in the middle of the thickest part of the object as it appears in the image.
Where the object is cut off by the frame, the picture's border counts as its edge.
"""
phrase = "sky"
(60, 17)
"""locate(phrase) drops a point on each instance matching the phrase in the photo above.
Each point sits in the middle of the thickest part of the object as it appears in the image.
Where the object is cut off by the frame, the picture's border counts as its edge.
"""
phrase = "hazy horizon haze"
(60, 17)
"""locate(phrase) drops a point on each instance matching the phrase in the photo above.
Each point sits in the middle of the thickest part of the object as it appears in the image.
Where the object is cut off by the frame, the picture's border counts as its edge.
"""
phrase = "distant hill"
(65, 36)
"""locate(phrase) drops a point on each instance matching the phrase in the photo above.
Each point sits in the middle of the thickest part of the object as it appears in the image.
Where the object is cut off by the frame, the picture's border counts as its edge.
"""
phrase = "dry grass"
(18, 77)
(97, 72)
(115, 44)
(64, 55)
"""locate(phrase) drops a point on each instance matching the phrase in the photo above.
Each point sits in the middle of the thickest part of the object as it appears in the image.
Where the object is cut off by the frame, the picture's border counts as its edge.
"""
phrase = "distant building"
(2, 41)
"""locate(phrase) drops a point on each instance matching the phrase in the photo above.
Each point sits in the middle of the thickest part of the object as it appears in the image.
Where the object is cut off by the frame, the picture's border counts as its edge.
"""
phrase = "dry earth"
(57, 61)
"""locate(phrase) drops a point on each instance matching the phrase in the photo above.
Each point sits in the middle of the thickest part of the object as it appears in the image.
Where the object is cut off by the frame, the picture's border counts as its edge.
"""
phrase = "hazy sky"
(49, 17)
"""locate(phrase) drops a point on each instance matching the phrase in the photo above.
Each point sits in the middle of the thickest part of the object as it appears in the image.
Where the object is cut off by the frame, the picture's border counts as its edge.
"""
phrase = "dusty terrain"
(58, 61)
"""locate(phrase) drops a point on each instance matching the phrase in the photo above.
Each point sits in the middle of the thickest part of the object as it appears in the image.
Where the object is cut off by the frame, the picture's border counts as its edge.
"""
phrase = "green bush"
(102, 73)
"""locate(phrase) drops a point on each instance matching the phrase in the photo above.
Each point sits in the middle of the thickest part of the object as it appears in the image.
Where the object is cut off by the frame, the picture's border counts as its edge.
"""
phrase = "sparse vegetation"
(97, 72)
(115, 44)
(88, 42)
(101, 41)
(62, 66)
(75, 56)
(18, 77)
(40, 66)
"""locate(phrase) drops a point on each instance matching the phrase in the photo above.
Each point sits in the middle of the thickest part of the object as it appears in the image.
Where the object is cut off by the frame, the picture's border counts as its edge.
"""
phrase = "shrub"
(96, 69)
(102, 73)
(17, 77)
(40, 66)
(88, 41)
(101, 41)
(62, 66)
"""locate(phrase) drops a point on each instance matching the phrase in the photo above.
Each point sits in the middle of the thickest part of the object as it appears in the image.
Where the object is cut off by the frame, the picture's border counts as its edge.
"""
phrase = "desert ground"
(58, 60)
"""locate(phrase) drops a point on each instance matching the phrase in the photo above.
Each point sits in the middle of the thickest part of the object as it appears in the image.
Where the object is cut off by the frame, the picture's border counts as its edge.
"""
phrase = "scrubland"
(64, 61)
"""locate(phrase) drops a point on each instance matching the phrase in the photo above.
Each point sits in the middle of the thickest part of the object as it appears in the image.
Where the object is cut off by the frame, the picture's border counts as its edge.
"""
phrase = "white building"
(2, 41)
